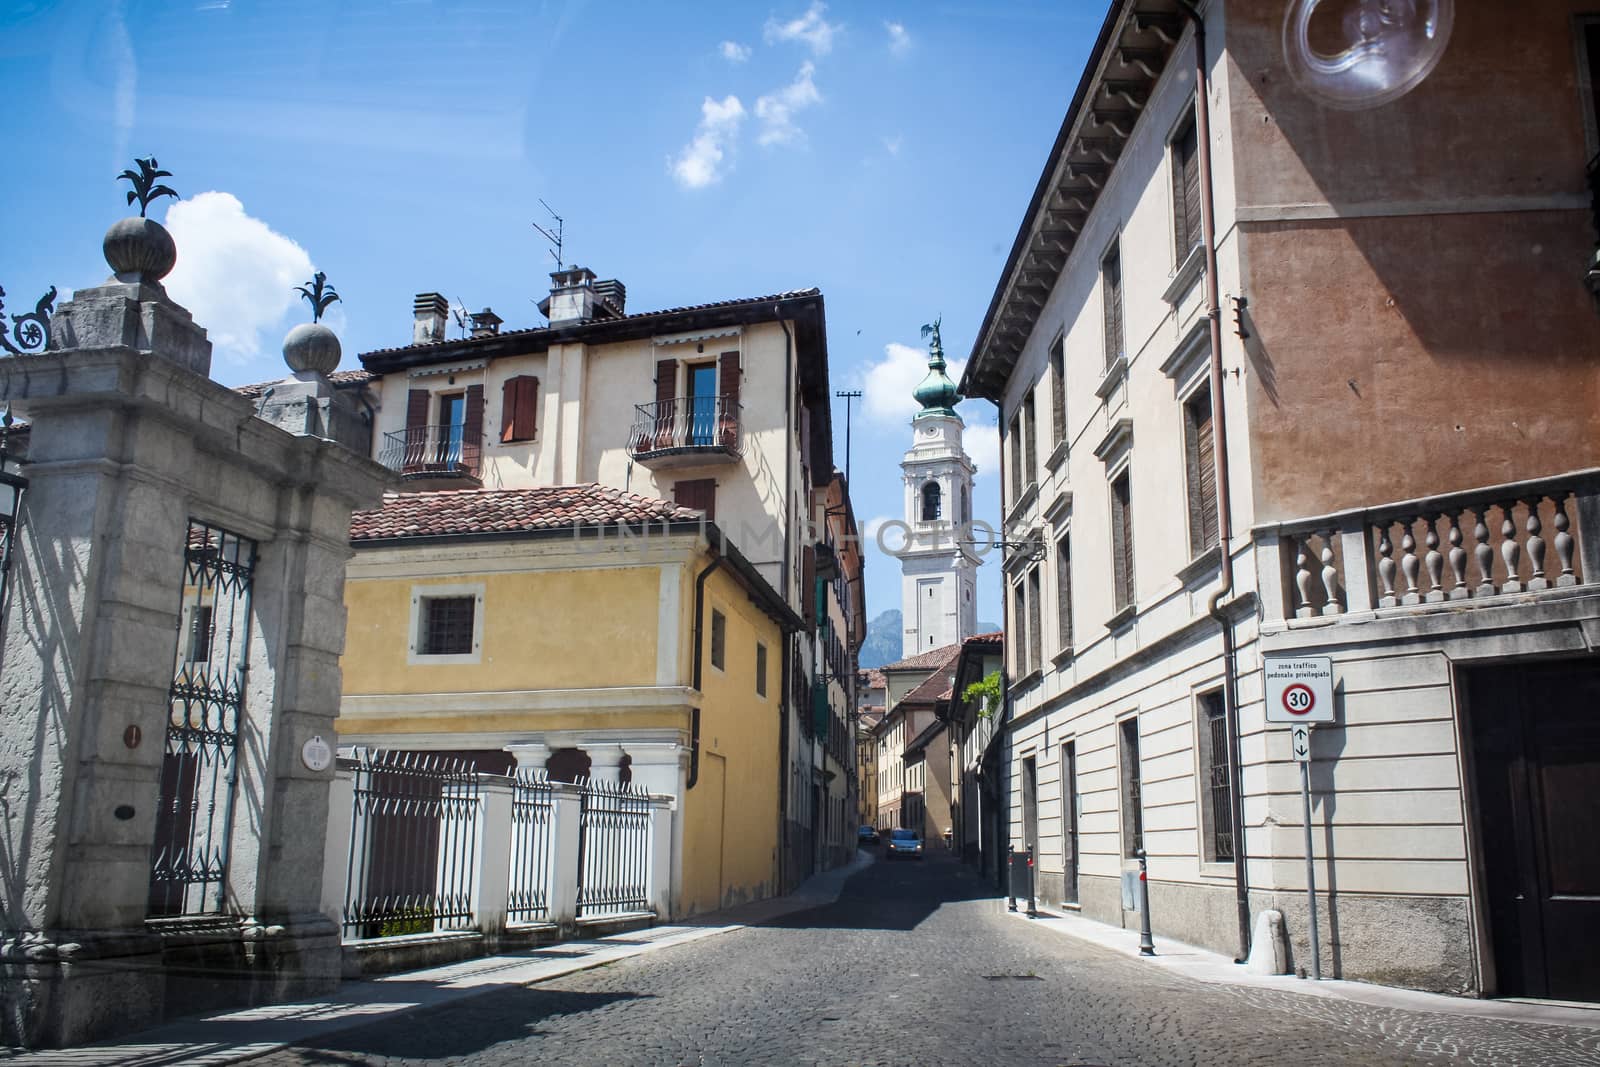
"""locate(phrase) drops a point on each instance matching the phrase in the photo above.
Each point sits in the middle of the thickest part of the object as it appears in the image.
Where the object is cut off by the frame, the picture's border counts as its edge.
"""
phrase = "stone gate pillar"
(131, 444)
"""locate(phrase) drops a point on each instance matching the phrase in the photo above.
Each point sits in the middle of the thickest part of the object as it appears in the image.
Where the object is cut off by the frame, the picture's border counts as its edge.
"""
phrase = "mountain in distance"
(885, 639)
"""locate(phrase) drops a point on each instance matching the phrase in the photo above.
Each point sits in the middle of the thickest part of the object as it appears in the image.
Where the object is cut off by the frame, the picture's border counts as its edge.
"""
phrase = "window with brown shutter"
(417, 402)
(1058, 392)
(1035, 619)
(1122, 540)
(1111, 292)
(1016, 458)
(1030, 447)
(1200, 458)
(666, 394)
(519, 409)
(808, 583)
(1064, 592)
(472, 431)
(1186, 190)
(697, 494)
(728, 418)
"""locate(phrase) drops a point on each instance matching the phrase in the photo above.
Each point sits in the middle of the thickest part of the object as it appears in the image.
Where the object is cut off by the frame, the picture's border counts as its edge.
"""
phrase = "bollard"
(1011, 879)
(1147, 943)
(1033, 900)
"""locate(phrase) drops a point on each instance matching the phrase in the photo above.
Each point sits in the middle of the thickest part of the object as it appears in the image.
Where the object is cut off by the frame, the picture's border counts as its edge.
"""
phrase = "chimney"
(485, 323)
(610, 295)
(571, 296)
(432, 313)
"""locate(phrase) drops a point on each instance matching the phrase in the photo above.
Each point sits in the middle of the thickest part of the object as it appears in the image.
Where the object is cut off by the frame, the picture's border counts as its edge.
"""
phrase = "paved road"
(917, 964)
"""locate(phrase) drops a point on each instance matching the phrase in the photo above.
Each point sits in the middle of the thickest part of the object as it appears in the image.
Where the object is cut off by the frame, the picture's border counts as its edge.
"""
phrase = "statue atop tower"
(938, 571)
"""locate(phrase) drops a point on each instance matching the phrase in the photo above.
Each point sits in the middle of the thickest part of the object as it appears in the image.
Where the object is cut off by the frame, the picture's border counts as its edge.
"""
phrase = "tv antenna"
(463, 317)
(553, 238)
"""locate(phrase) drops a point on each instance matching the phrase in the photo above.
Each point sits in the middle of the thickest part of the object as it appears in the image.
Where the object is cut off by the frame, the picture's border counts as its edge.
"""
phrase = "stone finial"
(140, 249)
(311, 346)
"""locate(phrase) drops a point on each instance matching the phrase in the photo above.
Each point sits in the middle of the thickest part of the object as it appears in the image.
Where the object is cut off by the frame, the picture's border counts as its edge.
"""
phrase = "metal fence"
(532, 831)
(613, 850)
(413, 845)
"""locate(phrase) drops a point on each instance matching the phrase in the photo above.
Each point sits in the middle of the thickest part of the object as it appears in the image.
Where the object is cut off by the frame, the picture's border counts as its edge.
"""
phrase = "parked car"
(867, 835)
(906, 843)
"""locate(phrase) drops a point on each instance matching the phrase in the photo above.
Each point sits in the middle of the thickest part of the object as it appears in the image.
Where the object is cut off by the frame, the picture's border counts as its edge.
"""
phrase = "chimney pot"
(485, 323)
(431, 312)
(571, 296)
(611, 294)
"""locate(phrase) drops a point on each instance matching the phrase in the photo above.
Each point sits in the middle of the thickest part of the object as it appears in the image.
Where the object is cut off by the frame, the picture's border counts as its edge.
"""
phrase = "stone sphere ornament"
(313, 347)
(140, 249)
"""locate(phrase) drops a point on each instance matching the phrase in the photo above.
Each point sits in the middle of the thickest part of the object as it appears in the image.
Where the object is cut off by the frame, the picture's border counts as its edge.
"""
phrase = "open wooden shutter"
(808, 583)
(416, 428)
(1122, 541)
(519, 408)
(666, 394)
(1186, 190)
(1202, 474)
(699, 494)
(472, 431)
(729, 421)
(1111, 277)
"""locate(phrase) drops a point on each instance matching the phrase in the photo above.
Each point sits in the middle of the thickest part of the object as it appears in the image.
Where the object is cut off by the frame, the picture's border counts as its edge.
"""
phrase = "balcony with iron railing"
(425, 453)
(686, 430)
(1464, 549)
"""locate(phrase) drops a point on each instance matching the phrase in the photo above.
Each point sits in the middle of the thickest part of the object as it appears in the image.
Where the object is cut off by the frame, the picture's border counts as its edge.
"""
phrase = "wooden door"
(1536, 760)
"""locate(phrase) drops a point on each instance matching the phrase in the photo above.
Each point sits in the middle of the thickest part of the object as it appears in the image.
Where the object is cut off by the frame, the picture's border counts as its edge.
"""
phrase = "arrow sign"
(1300, 741)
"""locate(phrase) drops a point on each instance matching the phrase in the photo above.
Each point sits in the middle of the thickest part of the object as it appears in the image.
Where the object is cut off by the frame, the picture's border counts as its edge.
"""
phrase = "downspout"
(1002, 857)
(1219, 435)
(786, 778)
(699, 639)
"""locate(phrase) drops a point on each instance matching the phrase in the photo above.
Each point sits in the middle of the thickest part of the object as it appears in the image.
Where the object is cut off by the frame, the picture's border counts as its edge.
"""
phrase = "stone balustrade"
(1521, 537)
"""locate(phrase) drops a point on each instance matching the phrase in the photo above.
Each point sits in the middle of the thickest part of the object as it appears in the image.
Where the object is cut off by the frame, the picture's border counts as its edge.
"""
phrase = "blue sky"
(884, 152)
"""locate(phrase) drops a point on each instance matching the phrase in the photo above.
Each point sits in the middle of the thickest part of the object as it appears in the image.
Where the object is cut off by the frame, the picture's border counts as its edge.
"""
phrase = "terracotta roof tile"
(937, 685)
(931, 660)
(475, 511)
(986, 639)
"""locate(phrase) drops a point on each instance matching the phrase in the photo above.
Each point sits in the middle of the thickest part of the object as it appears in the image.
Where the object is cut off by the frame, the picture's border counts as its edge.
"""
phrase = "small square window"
(447, 625)
(761, 669)
(719, 639)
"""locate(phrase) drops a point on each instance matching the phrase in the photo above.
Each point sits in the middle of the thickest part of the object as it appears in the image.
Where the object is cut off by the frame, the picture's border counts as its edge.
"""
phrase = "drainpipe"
(1002, 857)
(785, 777)
(1219, 433)
(699, 644)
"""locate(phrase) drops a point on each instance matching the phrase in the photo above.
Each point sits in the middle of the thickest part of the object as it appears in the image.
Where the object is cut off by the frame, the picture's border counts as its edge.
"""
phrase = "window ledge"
(1029, 495)
(1201, 565)
(1062, 658)
(1057, 457)
(1188, 272)
(1115, 373)
(1122, 619)
(1027, 681)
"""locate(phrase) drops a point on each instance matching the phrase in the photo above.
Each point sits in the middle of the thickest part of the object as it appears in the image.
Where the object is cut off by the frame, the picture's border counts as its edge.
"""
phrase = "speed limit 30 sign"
(1298, 688)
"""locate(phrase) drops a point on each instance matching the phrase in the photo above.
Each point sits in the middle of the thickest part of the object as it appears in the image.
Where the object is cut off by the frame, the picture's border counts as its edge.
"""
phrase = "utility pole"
(848, 396)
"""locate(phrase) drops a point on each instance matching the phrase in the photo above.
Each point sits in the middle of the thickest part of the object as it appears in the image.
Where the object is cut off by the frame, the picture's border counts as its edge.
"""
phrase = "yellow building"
(587, 631)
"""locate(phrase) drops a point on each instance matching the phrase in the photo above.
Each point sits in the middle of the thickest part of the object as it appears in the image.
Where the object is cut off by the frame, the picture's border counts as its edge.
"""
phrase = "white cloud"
(899, 39)
(697, 166)
(892, 144)
(235, 274)
(810, 29)
(734, 52)
(776, 110)
(889, 383)
(982, 442)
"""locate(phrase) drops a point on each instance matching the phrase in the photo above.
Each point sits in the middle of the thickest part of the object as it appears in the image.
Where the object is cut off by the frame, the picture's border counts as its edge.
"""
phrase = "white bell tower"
(939, 574)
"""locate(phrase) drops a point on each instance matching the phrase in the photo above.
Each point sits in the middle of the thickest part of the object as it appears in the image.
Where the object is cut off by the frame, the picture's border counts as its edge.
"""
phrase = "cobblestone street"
(918, 964)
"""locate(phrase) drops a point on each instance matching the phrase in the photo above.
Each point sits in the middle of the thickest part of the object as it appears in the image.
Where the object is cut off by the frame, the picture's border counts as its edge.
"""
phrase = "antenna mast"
(553, 238)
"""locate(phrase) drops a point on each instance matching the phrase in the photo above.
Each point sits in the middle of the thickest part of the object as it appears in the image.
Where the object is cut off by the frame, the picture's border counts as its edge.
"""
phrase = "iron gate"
(189, 864)
(613, 850)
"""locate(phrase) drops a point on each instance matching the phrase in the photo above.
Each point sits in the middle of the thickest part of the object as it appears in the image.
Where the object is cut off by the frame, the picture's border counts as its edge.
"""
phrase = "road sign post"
(1299, 691)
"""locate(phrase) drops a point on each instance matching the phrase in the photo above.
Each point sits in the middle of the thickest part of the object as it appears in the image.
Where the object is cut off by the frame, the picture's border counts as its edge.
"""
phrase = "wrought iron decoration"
(319, 295)
(31, 330)
(145, 188)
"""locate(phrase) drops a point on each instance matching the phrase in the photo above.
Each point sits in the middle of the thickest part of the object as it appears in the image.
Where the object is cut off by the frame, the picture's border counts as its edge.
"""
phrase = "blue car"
(904, 843)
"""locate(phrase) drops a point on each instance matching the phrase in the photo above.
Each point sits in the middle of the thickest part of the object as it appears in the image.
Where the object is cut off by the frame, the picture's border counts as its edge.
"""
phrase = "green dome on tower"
(937, 394)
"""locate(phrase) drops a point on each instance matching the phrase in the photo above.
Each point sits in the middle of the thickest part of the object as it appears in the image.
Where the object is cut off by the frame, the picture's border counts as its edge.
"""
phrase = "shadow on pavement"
(895, 895)
(471, 1026)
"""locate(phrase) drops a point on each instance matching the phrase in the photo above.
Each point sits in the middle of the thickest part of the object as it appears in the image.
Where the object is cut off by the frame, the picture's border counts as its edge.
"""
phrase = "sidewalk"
(241, 1034)
(1203, 965)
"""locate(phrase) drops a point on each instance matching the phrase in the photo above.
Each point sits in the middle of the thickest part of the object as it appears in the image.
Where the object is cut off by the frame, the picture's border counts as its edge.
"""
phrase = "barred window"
(447, 625)
(1132, 810)
(1216, 796)
(719, 639)
(761, 669)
